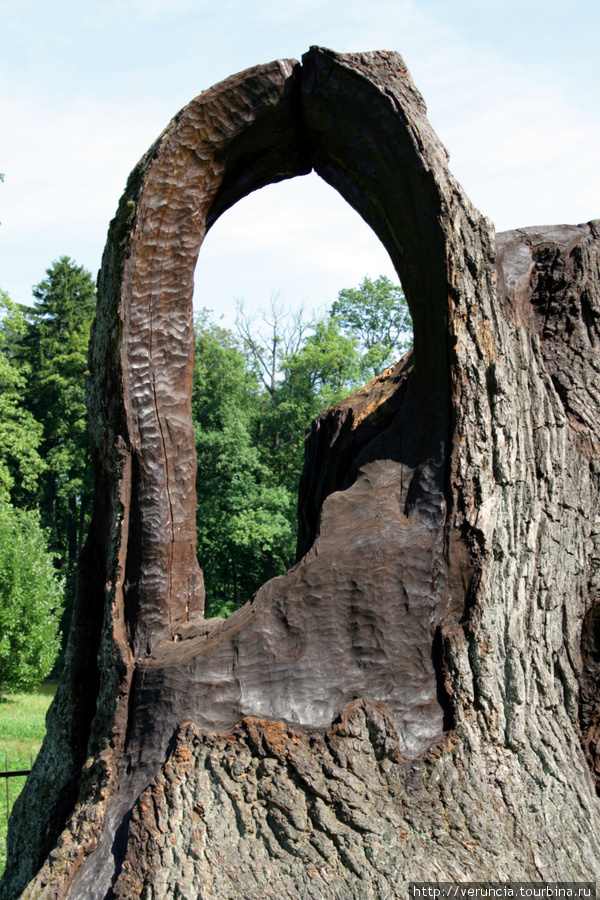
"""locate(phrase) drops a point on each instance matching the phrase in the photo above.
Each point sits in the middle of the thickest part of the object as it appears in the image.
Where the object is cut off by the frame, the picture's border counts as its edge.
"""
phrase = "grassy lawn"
(22, 729)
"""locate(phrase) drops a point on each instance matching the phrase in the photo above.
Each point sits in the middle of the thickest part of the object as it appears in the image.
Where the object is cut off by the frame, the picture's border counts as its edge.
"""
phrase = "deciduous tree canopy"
(44, 444)
(20, 433)
(244, 515)
(376, 314)
(31, 598)
(255, 395)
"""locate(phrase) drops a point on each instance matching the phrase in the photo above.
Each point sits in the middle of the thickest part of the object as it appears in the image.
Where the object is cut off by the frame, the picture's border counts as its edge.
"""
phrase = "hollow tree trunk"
(418, 698)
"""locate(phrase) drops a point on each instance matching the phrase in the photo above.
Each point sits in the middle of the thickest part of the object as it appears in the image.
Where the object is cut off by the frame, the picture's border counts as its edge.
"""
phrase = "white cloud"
(522, 148)
(65, 169)
(86, 89)
(298, 238)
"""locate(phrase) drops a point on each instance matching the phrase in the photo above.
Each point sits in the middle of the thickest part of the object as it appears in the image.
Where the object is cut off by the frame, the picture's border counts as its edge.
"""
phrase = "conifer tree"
(54, 353)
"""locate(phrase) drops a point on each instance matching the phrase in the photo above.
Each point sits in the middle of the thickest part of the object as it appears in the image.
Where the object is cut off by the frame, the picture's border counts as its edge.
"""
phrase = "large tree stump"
(418, 698)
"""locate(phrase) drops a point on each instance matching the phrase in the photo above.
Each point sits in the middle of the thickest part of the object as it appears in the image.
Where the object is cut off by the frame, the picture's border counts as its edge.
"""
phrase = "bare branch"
(280, 334)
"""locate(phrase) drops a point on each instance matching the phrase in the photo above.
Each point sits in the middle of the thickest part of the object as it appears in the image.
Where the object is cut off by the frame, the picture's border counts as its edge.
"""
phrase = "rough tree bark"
(419, 697)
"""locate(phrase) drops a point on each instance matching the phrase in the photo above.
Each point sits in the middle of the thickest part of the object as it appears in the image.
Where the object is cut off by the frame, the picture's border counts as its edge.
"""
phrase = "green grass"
(22, 730)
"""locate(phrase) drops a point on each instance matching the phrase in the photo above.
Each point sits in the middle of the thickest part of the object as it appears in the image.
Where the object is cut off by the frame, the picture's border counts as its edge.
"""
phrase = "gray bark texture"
(419, 697)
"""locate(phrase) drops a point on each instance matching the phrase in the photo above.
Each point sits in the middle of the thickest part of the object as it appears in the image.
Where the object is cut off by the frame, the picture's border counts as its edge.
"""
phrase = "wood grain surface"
(418, 697)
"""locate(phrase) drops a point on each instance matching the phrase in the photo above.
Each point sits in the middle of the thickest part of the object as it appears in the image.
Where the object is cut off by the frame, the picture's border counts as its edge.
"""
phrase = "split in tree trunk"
(416, 699)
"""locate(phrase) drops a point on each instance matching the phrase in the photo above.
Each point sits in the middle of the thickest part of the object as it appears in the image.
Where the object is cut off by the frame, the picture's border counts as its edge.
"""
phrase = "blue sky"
(85, 87)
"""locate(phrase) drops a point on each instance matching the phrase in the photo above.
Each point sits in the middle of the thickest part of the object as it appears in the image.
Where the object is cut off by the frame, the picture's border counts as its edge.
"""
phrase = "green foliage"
(44, 443)
(31, 599)
(324, 370)
(303, 369)
(56, 348)
(376, 314)
(222, 380)
(53, 353)
(254, 397)
(244, 532)
(277, 335)
(20, 434)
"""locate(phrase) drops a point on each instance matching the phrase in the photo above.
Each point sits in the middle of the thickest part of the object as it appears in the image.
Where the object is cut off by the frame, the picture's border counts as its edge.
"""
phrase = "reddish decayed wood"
(416, 699)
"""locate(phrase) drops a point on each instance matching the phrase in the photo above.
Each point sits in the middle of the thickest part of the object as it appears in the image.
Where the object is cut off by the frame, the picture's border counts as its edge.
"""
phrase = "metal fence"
(14, 774)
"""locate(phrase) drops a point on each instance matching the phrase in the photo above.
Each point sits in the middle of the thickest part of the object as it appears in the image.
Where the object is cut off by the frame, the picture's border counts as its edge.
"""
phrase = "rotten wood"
(418, 697)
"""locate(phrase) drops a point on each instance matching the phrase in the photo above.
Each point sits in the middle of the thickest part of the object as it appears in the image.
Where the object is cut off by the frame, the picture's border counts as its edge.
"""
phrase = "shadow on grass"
(22, 730)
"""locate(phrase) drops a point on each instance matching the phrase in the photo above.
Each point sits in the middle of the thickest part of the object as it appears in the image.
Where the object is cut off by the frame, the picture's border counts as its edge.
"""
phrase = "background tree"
(376, 314)
(305, 366)
(457, 584)
(20, 434)
(244, 516)
(269, 337)
(31, 597)
(53, 354)
(323, 370)
(255, 395)
(31, 593)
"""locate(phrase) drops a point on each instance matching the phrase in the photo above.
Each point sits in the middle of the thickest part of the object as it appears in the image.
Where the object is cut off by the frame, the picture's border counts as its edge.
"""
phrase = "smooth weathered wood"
(418, 698)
